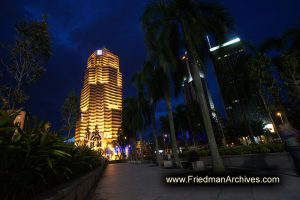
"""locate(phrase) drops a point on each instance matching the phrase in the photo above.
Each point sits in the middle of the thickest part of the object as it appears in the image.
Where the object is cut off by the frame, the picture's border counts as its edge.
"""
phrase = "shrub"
(193, 156)
(149, 157)
(240, 150)
(35, 159)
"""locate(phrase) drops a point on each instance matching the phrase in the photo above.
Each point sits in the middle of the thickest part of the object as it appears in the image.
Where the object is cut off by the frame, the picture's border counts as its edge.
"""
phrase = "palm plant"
(121, 142)
(182, 120)
(191, 21)
(161, 84)
(165, 130)
(132, 119)
(154, 92)
(138, 80)
(194, 119)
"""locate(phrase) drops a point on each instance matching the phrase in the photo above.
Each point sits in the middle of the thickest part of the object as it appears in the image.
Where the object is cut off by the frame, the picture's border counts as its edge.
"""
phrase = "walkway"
(137, 182)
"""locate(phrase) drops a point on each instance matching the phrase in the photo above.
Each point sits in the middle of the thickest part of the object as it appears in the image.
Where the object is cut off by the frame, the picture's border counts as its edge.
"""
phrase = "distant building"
(189, 89)
(225, 60)
(100, 103)
(239, 104)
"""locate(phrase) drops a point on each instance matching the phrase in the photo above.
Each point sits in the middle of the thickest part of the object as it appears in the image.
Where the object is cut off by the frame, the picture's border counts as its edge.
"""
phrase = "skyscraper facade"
(226, 59)
(240, 102)
(100, 103)
(189, 89)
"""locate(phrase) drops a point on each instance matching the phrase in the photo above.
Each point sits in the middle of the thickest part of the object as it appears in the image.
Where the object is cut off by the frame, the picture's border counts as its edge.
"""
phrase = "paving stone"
(126, 181)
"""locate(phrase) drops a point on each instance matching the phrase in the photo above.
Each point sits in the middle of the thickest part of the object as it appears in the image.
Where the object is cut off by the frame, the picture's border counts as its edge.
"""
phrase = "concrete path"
(137, 182)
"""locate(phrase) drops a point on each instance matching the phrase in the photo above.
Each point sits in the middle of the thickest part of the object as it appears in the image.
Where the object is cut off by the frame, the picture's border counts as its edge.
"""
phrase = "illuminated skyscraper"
(226, 63)
(100, 102)
(240, 104)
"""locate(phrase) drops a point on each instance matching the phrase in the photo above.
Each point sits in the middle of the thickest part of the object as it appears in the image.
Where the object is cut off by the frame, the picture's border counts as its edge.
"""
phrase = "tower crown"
(103, 57)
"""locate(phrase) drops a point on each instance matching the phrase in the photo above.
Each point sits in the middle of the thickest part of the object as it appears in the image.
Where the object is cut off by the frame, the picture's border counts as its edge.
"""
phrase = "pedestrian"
(289, 135)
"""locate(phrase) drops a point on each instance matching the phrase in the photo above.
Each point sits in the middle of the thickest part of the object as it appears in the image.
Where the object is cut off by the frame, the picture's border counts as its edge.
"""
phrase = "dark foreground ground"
(135, 182)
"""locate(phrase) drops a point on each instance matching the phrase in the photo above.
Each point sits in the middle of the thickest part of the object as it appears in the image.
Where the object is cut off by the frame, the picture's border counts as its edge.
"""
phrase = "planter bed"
(76, 189)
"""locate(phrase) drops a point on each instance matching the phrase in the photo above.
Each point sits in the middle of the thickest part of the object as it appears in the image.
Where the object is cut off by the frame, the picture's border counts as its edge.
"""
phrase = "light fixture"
(278, 114)
(225, 44)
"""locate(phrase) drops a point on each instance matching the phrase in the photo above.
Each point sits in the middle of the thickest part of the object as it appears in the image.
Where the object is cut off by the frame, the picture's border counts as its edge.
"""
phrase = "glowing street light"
(279, 115)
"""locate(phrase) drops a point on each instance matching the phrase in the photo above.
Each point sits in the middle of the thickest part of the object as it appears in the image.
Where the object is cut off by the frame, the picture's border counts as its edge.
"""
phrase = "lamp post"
(165, 143)
(279, 115)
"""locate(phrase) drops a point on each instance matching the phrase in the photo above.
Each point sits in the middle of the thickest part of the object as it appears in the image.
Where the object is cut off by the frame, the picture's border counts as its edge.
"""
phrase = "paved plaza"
(137, 182)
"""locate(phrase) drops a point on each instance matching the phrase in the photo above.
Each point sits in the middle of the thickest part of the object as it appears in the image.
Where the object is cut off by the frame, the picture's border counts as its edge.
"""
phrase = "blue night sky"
(79, 27)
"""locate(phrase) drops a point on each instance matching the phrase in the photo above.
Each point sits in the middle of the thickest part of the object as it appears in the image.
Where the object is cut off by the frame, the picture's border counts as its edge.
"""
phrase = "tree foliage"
(70, 111)
(35, 158)
(28, 55)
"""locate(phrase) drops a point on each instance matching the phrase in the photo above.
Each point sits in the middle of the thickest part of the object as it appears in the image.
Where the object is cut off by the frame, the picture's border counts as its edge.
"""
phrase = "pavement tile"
(127, 181)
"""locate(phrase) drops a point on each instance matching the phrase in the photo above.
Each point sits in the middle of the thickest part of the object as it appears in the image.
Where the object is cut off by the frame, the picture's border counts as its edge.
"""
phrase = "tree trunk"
(217, 162)
(154, 134)
(218, 166)
(142, 146)
(172, 130)
(186, 140)
(194, 133)
(269, 115)
(194, 140)
(224, 141)
(246, 115)
(134, 153)
(184, 135)
(69, 132)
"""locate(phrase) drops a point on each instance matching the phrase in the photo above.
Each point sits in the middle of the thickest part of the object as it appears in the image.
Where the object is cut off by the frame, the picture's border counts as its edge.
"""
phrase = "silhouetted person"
(289, 136)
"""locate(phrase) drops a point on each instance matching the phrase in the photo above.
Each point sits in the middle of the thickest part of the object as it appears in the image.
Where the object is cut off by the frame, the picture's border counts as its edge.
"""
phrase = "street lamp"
(279, 115)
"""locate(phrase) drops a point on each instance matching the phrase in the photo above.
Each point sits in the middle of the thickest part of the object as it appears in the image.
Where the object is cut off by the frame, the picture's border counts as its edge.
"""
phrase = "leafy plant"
(242, 149)
(35, 158)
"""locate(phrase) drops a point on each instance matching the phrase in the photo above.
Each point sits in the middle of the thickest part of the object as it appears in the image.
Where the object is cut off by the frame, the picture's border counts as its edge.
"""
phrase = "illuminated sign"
(99, 52)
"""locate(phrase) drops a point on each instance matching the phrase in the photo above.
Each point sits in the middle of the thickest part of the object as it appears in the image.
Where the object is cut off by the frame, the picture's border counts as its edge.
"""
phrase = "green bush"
(35, 159)
(242, 149)
(149, 157)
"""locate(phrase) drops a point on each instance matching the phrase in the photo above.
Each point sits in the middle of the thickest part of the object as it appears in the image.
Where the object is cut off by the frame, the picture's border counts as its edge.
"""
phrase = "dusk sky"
(80, 27)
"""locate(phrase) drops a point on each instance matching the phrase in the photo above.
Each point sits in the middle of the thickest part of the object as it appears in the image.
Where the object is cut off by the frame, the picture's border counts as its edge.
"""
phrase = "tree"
(182, 121)
(165, 130)
(287, 64)
(138, 81)
(163, 87)
(262, 80)
(121, 142)
(290, 73)
(194, 119)
(70, 111)
(132, 119)
(193, 21)
(154, 94)
(28, 55)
